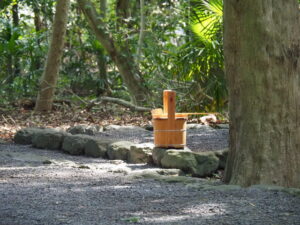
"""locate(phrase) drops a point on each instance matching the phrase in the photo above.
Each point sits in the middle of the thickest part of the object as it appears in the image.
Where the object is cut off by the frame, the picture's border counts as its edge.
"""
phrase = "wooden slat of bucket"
(170, 126)
(173, 131)
(170, 104)
(169, 132)
(170, 137)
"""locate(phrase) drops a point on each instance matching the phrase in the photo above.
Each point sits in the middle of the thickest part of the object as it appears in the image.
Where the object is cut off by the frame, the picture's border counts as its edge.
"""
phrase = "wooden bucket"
(169, 130)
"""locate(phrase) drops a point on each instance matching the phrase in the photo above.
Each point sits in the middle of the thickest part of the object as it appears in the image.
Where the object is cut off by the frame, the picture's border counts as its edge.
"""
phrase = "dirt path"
(83, 191)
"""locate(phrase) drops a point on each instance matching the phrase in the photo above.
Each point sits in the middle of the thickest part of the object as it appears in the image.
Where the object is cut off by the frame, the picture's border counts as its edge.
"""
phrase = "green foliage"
(181, 56)
(20, 44)
(207, 20)
(182, 50)
(134, 219)
(206, 59)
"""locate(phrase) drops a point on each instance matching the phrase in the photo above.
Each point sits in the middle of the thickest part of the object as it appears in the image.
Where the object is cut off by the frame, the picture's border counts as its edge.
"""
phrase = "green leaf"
(132, 219)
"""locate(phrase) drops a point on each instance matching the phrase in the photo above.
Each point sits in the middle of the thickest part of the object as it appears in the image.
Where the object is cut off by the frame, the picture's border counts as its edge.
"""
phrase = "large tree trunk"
(50, 75)
(262, 50)
(119, 55)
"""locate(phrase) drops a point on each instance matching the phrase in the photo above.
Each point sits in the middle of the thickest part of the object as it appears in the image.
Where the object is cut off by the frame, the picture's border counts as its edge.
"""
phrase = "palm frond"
(207, 19)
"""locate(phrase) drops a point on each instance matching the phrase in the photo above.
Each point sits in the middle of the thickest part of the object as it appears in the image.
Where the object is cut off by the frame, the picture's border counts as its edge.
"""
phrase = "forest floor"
(50, 187)
(13, 119)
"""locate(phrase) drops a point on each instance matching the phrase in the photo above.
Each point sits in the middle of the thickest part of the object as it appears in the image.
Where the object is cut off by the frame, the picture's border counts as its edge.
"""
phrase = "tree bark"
(50, 75)
(16, 19)
(36, 64)
(101, 59)
(103, 8)
(262, 64)
(122, 11)
(37, 19)
(119, 55)
(142, 32)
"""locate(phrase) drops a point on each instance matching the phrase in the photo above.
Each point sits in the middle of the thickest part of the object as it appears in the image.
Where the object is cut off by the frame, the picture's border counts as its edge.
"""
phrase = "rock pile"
(76, 142)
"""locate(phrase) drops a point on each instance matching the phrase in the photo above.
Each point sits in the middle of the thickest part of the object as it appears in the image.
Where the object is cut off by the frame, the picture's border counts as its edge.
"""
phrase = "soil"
(40, 187)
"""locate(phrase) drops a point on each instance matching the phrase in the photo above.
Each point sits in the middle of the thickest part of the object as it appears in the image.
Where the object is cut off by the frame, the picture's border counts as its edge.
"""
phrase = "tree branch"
(119, 102)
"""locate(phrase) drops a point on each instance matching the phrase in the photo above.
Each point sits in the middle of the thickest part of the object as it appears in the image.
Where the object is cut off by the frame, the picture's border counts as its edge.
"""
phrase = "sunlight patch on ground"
(201, 210)
(167, 218)
(207, 210)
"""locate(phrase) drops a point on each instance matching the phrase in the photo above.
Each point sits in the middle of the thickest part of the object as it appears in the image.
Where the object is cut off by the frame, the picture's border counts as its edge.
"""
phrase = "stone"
(170, 172)
(179, 159)
(292, 191)
(201, 127)
(24, 136)
(178, 179)
(222, 126)
(148, 127)
(141, 153)
(197, 164)
(48, 139)
(97, 147)
(124, 171)
(83, 167)
(207, 164)
(47, 162)
(156, 173)
(123, 128)
(157, 155)
(119, 150)
(222, 156)
(75, 144)
(85, 129)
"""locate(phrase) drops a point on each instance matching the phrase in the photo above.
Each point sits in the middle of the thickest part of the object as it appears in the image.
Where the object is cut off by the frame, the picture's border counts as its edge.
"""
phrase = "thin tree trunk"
(50, 75)
(103, 8)
(15, 13)
(37, 19)
(262, 64)
(9, 59)
(142, 32)
(38, 27)
(119, 55)
(122, 11)
(101, 59)
(102, 66)
(15, 18)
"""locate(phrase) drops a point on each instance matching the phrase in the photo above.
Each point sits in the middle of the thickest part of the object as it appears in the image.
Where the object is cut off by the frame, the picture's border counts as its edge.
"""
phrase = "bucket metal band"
(169, 130)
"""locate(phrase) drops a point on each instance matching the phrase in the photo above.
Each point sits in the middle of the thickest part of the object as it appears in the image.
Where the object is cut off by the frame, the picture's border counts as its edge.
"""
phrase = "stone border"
(196, 164)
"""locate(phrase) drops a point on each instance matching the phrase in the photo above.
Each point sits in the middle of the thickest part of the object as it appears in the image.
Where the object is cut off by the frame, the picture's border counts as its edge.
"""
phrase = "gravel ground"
(86, 191)
(204, 139)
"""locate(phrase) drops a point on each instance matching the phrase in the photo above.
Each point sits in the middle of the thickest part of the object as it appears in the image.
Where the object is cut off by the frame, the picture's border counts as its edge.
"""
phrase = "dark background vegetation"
(181, 50)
